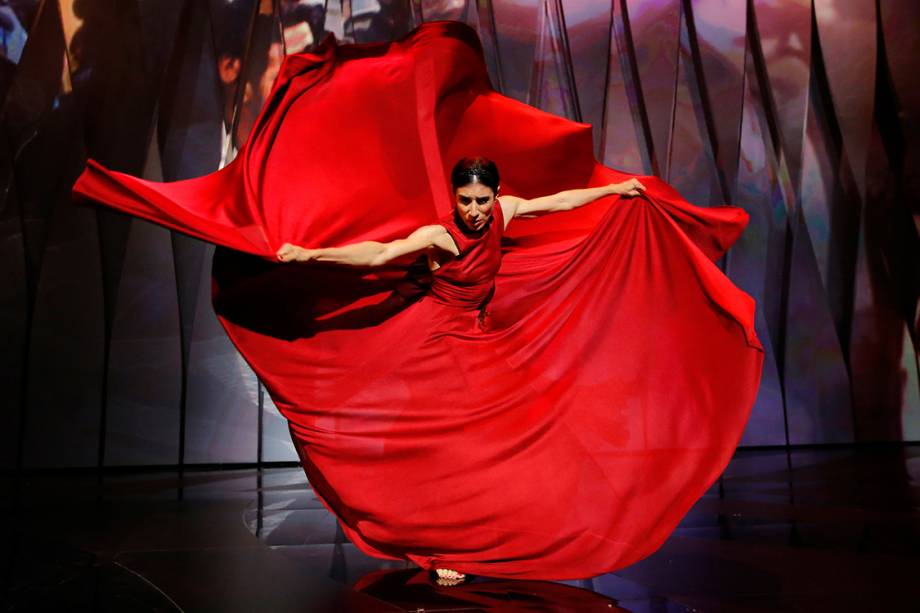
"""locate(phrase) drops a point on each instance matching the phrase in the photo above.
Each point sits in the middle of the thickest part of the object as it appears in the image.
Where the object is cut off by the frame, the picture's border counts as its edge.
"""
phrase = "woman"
(475, 183)
(542, 401)
(475, 187)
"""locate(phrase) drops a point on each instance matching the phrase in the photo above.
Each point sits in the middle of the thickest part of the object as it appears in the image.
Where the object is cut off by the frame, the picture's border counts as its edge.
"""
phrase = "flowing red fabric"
(558, 424)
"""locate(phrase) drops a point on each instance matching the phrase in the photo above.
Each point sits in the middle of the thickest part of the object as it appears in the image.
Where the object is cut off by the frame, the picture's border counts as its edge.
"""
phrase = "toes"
(447, 573)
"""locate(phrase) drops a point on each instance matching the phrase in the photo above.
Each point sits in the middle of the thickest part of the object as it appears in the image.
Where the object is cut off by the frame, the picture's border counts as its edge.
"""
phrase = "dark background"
(805, 113)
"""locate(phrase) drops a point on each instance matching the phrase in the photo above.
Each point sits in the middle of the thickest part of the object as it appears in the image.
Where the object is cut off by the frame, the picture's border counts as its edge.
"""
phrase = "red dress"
(468, 280)
(550, 403)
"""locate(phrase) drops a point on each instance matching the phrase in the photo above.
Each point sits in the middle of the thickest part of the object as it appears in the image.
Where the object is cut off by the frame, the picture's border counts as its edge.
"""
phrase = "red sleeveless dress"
(468, 280)
(548, 404)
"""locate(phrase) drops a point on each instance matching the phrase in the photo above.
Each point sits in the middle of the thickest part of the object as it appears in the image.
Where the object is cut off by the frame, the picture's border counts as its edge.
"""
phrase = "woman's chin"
(474, 226)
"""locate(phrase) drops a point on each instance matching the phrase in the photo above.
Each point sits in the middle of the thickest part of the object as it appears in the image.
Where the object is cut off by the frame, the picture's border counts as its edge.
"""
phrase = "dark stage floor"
(839, 531)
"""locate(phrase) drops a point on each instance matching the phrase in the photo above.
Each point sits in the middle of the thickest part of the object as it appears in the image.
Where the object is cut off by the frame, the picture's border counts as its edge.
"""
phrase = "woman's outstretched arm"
(569, 199)
(372, 253)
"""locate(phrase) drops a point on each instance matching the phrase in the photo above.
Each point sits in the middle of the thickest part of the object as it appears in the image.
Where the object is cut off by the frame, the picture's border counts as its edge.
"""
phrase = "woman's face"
(474, 202)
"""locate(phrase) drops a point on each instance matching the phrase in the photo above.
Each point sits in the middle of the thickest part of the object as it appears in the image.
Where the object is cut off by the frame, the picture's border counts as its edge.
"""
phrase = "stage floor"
(814, 530)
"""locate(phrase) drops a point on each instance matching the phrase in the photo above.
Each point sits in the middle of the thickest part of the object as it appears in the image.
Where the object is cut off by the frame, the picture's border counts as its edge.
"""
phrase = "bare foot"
(447, 576)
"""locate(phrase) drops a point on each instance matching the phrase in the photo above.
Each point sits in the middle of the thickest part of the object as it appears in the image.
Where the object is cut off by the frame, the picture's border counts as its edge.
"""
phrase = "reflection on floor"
(814, 530)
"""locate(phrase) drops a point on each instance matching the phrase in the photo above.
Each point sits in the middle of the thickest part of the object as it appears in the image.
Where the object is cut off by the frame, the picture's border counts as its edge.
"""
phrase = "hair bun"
(474, 170)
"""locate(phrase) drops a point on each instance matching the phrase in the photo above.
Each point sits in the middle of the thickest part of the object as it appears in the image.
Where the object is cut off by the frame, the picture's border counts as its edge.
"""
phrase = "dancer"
(475, 187)
(542, 401)
(475, 184)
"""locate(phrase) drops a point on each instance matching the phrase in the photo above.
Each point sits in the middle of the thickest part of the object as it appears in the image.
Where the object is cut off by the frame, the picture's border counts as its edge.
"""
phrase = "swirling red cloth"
(558, 424)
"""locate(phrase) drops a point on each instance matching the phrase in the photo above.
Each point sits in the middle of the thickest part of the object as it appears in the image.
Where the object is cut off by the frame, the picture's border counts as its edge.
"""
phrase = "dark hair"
(473, 170)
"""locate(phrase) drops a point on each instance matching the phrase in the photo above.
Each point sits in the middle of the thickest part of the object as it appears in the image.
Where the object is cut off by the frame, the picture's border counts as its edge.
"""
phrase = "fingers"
(632, 188)
(287, 252)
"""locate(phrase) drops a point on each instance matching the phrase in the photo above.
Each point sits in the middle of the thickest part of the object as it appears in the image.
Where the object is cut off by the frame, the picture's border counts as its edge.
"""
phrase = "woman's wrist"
(305, 255)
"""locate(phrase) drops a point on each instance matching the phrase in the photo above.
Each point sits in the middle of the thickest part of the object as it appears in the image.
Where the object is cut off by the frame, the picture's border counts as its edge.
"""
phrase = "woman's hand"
(631, 187)
(293, 253)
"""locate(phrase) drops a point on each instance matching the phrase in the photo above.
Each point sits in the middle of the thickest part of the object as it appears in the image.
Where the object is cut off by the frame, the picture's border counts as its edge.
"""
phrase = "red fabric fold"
(561, 432)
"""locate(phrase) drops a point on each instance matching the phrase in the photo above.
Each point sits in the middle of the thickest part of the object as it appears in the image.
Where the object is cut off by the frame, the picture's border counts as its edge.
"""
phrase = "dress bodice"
(468, 279)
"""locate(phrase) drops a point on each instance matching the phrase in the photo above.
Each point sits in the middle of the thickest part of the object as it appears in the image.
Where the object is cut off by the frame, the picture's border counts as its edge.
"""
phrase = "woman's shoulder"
(440, 236)
(430, 230)
(507, 205)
